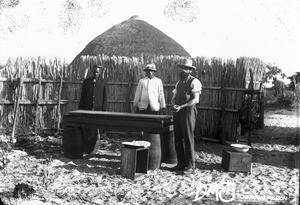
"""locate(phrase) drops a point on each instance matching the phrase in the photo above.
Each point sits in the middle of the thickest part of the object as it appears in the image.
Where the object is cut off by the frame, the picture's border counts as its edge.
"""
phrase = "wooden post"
(59, 100)
(250, 108)
(16, 109)
(223, 126)
(38, 98)
(128, 107)
(262, 110)
(261, 107)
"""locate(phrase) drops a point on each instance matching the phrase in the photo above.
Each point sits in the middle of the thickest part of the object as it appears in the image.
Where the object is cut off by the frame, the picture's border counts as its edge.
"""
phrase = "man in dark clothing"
(94, 91)
(185, 97)
(94, 94)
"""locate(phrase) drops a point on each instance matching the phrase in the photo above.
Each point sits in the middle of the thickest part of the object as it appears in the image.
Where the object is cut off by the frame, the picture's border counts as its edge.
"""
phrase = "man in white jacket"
(149, 96)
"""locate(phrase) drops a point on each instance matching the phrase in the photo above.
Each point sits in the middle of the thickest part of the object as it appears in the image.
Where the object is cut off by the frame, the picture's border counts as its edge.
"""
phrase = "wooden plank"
(151, 121)
(34, 102)
(35, 80)
(38, 97)
(223, 128)
(16, 110)
(59, 100)
(128, 162)
(217, 109)
(63, 102)
(251, 87)
(119, 83)
(262, 110)
(129, 121)
(121, 115)
(106, 127)
(127, 103)
(121, 128)
(114, 122)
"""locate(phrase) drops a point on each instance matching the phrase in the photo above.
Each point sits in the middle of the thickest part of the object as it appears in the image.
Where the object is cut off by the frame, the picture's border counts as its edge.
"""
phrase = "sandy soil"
(39, 162)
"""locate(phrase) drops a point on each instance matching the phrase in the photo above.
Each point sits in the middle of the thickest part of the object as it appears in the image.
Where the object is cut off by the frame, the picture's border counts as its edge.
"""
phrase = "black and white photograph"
(139, 102)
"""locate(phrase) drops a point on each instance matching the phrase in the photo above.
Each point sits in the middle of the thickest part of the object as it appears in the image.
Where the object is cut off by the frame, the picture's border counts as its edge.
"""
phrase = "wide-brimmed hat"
(98, 66)
(150, 67)
(187, 64)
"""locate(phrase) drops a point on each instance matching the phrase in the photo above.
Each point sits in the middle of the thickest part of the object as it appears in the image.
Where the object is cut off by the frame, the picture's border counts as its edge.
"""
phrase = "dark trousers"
(184, 127)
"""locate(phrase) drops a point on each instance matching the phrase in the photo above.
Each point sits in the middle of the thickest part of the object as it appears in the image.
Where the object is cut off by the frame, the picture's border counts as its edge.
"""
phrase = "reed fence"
(51, 88)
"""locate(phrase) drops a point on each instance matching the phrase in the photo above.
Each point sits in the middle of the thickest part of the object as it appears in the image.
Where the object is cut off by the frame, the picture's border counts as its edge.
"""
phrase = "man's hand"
(176, 108)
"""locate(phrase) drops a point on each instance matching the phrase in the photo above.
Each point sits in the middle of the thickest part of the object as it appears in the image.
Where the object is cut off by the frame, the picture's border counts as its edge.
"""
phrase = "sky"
(267, 29)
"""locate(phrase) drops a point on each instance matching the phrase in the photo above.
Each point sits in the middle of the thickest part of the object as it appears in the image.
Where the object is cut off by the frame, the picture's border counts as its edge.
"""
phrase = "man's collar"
(150, 78)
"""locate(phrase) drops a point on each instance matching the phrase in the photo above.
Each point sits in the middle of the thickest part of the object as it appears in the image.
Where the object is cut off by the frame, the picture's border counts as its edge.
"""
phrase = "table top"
(119, 115)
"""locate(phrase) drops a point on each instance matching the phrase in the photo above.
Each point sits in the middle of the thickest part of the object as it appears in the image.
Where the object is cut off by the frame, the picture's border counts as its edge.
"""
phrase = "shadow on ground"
(95, 163)
(277, 135)
(273, 158)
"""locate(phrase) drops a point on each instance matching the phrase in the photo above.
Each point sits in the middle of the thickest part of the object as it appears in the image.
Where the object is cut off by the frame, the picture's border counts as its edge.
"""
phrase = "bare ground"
(38, 161)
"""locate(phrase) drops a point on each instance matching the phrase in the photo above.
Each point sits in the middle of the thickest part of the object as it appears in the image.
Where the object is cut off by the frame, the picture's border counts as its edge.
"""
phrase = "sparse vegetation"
(280, 94)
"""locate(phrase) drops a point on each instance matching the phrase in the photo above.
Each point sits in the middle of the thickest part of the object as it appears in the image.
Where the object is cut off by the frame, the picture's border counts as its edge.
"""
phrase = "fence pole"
(223, 127)
(130, 77)
(250, 110)
(16, 109)
(37, 105)
(59, 99)
(261, 107)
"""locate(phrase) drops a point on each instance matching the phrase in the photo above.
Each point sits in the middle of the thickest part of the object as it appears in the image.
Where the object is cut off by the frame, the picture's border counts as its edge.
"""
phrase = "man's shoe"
(189, 171)
(177, 168)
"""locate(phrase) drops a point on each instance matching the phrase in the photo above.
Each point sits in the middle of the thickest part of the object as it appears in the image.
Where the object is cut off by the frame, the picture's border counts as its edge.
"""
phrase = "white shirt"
(149, 91)
(195, 85)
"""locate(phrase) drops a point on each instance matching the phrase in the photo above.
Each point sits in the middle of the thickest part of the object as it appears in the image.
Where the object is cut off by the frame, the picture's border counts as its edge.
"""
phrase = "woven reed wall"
(223, 86)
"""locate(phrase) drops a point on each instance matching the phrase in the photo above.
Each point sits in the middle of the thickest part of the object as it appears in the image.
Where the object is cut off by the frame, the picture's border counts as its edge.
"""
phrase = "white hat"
(150, 67)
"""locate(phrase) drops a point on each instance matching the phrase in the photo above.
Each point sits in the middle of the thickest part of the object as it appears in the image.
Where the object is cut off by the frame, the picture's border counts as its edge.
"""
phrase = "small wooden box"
(134, 160)
(234, 161)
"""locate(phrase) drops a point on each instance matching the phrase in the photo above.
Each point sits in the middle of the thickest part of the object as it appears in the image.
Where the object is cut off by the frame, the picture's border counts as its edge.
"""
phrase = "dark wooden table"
(75, 121)
(119, 121)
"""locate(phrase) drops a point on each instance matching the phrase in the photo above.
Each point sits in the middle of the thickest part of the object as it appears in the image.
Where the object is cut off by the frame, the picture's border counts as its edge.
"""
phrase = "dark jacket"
(94, 95)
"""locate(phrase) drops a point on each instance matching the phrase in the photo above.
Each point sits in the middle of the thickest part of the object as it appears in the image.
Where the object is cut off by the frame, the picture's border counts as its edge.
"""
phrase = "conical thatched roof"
(133, 37)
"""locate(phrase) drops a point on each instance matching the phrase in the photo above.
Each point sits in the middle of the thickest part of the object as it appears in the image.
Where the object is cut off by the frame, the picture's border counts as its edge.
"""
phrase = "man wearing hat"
(185, 97)
(94, 95)
(149, 96)
(94, 91)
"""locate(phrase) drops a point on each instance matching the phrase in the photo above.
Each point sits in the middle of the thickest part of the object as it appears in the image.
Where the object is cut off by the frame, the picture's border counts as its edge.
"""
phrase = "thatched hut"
(133, 38)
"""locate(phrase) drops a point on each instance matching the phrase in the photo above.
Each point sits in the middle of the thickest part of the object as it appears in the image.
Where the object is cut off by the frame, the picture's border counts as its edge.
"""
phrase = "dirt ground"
(48, 177)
